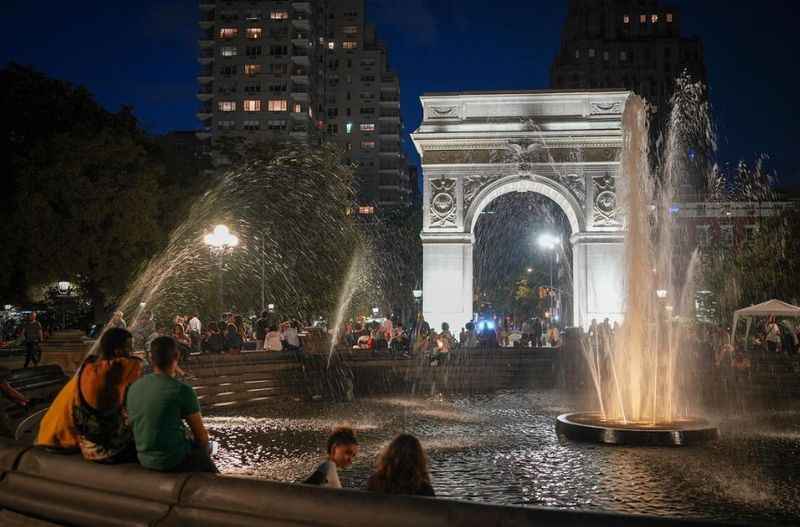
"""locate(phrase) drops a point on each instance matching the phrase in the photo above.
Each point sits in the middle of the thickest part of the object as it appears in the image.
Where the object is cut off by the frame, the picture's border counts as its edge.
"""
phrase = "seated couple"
(113, 414)
(402, 467)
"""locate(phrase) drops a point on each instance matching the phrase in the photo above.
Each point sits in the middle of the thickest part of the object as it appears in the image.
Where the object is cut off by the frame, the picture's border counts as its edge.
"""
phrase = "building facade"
(305, 71)
(626, 44)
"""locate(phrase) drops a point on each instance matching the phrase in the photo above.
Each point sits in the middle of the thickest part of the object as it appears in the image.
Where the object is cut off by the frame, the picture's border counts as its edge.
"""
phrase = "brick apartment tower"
(301, 71)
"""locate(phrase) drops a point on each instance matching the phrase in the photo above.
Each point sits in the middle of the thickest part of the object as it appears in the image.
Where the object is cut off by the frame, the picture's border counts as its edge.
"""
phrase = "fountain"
(641, 396)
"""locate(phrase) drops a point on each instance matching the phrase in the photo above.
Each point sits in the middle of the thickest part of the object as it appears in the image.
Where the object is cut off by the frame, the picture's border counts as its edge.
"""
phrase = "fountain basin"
(591, 427)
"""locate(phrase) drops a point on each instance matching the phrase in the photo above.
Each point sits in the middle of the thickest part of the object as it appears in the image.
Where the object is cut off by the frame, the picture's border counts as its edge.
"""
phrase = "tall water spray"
(638, 374)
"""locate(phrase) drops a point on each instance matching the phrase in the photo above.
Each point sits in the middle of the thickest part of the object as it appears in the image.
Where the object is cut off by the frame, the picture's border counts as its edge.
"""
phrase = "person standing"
(195, 332)
(262, 326)
(158, 405)
(272, 342)
(33, 334)
(117, 321)
(289, 336)
(773, 335)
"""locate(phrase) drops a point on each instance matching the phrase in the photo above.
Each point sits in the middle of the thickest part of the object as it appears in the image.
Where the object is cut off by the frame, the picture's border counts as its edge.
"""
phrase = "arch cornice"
(527, 183)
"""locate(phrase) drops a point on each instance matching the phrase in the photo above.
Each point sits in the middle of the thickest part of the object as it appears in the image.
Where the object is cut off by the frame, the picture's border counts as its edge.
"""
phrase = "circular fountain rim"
(687, 432)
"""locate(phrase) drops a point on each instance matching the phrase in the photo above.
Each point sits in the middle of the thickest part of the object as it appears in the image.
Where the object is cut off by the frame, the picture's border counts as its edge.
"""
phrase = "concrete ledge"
(66, 490)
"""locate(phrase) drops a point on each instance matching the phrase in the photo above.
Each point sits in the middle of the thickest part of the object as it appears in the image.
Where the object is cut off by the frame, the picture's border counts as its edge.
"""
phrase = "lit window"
(669, 17)
(367, 145)
(367, 127)
(348, 128)
(254, 33)
(349, 44)
(366, 210)
(298, 108)
(229, 51)
(252, 105)
(654, 18)
(227, 106)
(591, 53)
(332, 44)
(277, 105)
(279, 15)
(251, 125)
(626, 19)
(642, 19)
(228, 32)
(252, 69)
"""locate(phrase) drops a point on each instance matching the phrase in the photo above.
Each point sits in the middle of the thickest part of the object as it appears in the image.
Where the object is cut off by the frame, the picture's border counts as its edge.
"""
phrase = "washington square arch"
(478, 146)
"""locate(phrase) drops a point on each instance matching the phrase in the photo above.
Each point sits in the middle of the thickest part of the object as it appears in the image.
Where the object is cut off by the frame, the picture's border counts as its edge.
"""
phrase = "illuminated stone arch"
(476, 147)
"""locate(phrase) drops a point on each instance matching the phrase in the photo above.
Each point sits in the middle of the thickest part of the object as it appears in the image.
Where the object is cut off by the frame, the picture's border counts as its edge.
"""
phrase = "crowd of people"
(112, 412)
(231, 334)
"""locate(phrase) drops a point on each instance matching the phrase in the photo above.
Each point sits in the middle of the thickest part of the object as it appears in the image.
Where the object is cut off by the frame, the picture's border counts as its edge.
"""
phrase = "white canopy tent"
(769, 308)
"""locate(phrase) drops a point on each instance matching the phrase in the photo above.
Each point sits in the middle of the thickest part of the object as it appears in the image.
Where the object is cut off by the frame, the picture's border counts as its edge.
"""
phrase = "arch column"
(447, 279)
(598, 263)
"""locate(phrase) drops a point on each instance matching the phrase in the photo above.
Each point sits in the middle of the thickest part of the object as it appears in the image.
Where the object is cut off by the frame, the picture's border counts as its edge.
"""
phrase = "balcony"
(390, 115)
(300, 92)
(301, 22)
(389, 83)
(206, 38)
(390, 102)
(389, 133)
(299, 75)
(300, 56)
(206, 56)
(205, 111)
(299, 116)
(302, 7)
(300, 40)
(205, 92)
(206, 74)
(299, 133)
(207, 18)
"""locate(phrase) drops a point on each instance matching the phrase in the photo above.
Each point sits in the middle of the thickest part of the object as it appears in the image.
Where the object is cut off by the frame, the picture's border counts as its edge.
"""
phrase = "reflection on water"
(502, 448)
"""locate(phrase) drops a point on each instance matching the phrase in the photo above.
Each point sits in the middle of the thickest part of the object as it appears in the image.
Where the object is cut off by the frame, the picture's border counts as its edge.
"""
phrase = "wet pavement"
(502, 448)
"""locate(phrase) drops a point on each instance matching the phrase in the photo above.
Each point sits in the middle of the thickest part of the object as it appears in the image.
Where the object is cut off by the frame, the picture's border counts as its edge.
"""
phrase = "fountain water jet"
(635, 374)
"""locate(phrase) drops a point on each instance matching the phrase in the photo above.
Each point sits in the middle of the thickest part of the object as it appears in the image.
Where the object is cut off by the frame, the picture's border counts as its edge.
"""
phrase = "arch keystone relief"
(476, 147)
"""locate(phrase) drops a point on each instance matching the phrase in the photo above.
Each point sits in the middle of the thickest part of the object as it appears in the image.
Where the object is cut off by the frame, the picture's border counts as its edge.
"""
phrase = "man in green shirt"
(158, 404)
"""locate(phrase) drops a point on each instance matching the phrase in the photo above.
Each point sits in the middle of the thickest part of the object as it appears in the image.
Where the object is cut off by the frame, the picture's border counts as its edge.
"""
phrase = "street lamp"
(549, 242)
(221, 241)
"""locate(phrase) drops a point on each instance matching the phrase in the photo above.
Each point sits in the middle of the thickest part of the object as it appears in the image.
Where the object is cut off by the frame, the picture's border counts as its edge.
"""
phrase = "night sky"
(143, 53)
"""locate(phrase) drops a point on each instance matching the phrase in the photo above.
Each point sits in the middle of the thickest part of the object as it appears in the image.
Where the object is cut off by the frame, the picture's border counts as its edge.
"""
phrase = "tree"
(82, 193)
(756, 270)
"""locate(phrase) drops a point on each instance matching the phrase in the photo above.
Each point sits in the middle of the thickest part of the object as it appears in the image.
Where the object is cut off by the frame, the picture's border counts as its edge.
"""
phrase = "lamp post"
(417, 293)
(552, 243)
(220, 242)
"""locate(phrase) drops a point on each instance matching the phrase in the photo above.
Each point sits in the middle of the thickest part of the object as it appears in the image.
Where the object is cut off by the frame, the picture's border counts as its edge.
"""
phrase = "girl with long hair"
(402, 469)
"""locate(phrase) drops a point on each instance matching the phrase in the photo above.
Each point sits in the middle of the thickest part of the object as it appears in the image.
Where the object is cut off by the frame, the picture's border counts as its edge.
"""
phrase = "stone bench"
(39, 385)
(66, 490)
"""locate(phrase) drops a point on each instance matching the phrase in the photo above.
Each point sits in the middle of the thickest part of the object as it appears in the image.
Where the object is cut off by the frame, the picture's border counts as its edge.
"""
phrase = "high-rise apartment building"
(285, 70)
(631, 44)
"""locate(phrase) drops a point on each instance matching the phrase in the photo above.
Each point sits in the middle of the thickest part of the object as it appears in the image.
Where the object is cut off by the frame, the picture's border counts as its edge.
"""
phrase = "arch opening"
(522, 263)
